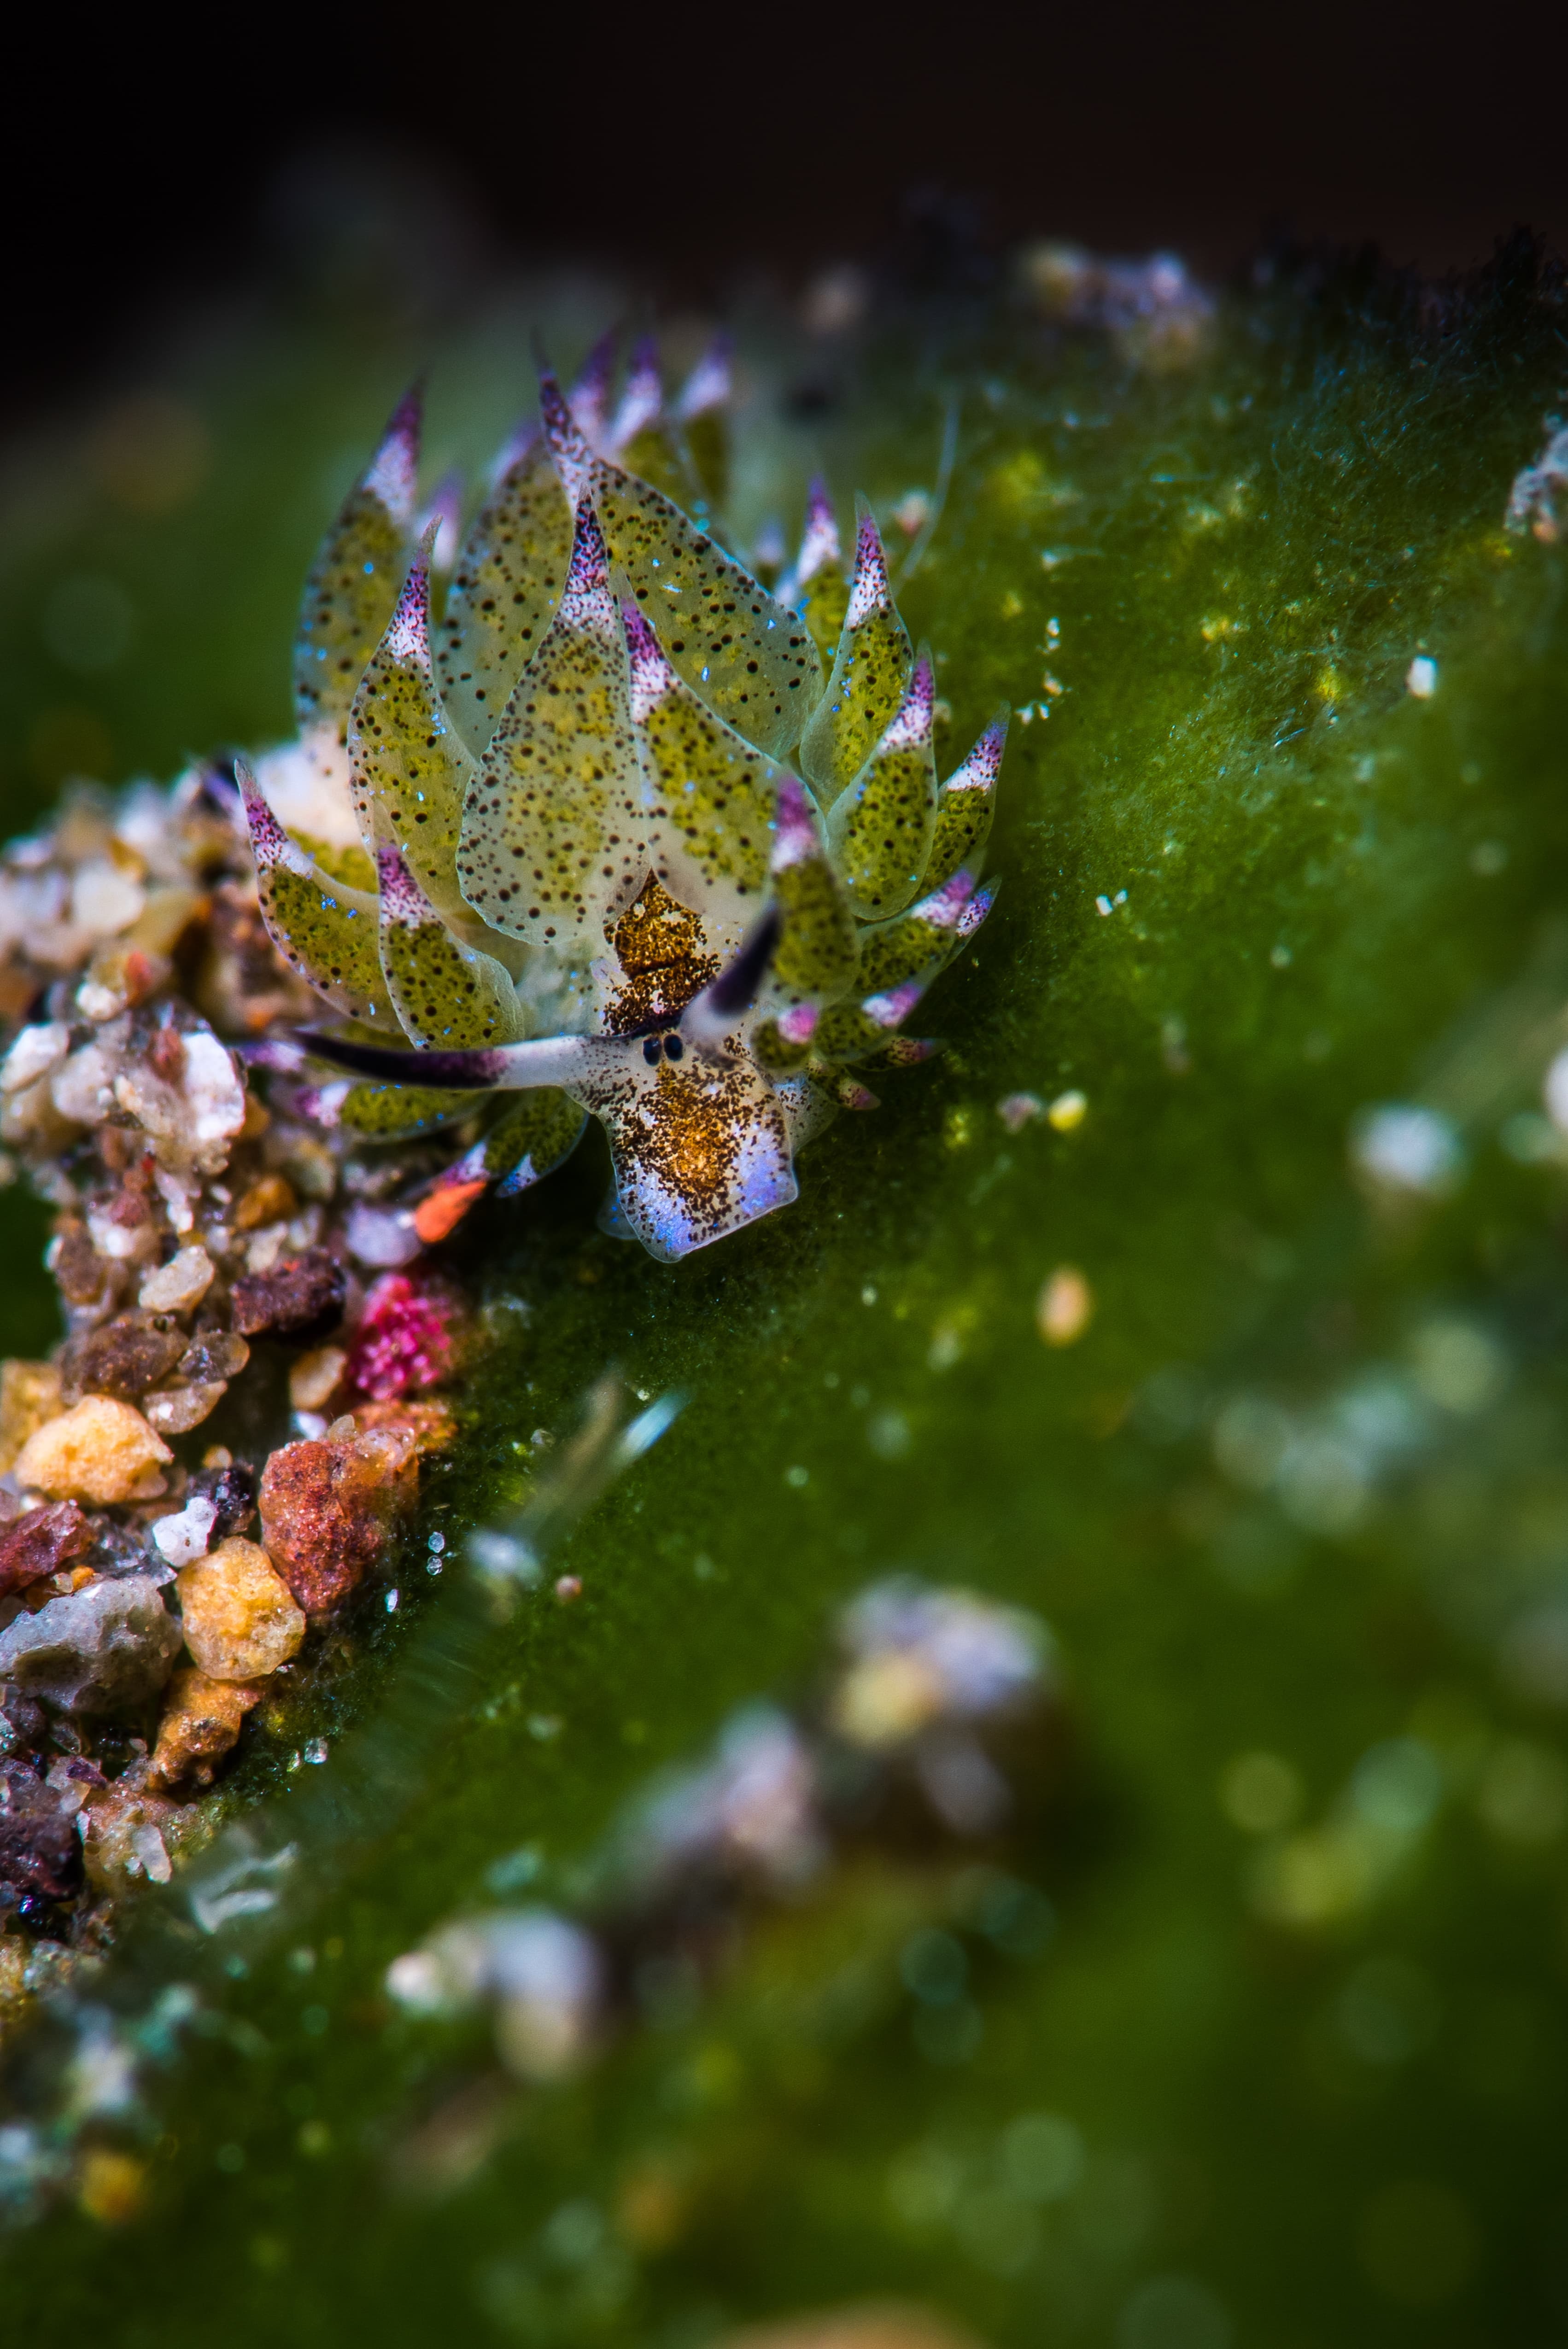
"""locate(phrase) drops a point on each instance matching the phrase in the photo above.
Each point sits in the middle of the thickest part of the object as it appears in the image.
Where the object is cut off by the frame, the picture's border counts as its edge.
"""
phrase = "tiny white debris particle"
(797, 1477)
(1554, 1092)
(889, 1435)
(1066, 1306)
(381, 1235)
(1068, 1110)
(317, 1749)
(1421, 677)
(185, 1535)
(179, 1285)
(391, 1602)
(414, 1980)
(1279, 957)
(868, 1295)
(1102, 906)
(1405, 1148)
(34, 1052)
(1531, 503)
(152, 1854)
(1016, 1110)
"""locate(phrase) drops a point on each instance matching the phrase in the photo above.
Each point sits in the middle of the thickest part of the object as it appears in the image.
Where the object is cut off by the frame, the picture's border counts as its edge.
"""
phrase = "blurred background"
(152, 165)
(226, 247)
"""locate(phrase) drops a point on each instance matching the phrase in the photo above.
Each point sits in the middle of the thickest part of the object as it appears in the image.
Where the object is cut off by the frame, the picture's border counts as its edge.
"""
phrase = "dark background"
(147, 163)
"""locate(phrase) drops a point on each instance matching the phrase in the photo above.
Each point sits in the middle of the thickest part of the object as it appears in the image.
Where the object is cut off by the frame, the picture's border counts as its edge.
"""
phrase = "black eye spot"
(673, 1048)
(651, 1050)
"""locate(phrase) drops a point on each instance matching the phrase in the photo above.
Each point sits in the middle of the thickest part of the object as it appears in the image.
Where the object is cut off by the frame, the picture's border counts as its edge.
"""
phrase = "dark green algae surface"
(1306, 2016)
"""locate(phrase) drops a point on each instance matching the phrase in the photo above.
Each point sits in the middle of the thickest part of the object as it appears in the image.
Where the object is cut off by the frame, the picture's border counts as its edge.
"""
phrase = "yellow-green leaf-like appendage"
(822, 605)
(915, 945)
(503, 595)
(532, 1139)
(354, 581)
(710, 823)
(816, 586)
(554, 828)
(654, 457)
(880, 828)
(397, 1112)
(446, 995)
(847, 1033)
(747, 657)
(702, 410)
(323, 929)
(965, 808)
(870, 676)
(354, 866)
(410, 770)
(328, 933)
(817, 954)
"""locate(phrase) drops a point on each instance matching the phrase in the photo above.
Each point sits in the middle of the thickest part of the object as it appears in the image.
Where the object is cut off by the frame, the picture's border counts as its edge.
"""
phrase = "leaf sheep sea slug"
(589, 884)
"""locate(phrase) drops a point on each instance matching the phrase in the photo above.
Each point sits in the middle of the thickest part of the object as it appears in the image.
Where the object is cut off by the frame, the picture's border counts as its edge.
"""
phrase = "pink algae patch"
(404, 1339)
